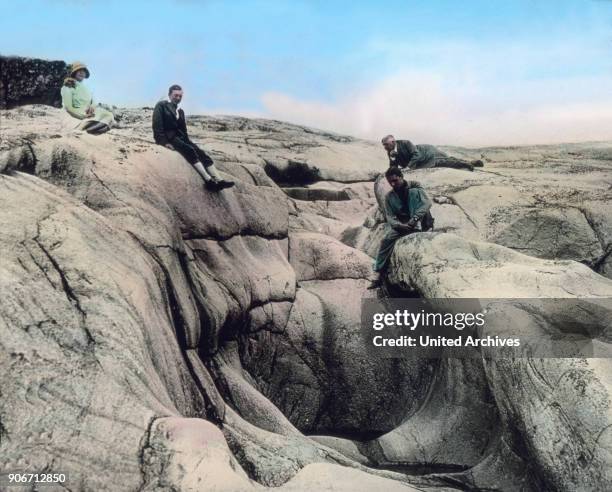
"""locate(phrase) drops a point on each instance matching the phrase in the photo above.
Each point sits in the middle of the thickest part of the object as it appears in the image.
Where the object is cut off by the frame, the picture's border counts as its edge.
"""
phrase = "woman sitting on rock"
(78, 101)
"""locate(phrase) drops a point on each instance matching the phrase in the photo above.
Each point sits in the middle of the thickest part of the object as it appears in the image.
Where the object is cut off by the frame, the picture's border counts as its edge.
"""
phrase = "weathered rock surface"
(124, 360)
(89, 355)
(318, 257)
(319, 373)
(290, 154)
(536, 398)
(157, 336)
(562, 233)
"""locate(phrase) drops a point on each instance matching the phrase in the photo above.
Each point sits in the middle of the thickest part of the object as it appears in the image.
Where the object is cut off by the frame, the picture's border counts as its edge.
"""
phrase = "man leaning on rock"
(170, 130)
(403, 153)
(406, 209)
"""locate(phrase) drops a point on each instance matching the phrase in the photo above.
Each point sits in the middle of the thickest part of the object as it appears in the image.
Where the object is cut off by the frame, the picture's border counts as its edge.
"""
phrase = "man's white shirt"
(176, 113)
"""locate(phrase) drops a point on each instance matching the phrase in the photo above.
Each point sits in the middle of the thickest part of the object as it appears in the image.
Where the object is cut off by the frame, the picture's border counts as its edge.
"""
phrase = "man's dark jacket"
(405, 150)
(166, 126)
(414, 156)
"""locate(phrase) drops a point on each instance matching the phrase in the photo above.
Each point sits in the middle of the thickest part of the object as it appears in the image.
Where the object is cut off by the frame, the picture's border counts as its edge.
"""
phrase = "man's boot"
(376, 283)
(211, 185)
(454, 162)
(223, 183)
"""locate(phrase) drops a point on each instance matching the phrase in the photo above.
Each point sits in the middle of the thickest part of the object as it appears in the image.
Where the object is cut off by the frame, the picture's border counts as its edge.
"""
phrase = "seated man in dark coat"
(406, 210)
(170, 130)
(403, 153)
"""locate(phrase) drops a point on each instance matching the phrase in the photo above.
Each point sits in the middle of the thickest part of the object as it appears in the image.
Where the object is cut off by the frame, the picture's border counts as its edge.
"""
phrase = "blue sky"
(459, 72)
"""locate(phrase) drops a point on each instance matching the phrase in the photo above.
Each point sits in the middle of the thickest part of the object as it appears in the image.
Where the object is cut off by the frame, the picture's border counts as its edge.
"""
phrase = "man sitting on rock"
(407, 211)
(170, 130)
(403, 153)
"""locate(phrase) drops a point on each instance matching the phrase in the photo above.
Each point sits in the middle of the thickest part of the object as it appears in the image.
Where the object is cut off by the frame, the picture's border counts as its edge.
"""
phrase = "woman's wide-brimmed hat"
(75, 66)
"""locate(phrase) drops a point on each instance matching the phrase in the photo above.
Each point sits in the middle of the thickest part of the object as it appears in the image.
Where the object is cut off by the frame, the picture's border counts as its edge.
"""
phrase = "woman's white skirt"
(101, 115)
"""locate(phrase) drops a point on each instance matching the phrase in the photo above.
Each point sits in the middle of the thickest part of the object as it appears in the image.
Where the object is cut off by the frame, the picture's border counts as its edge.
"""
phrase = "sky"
(470, 72)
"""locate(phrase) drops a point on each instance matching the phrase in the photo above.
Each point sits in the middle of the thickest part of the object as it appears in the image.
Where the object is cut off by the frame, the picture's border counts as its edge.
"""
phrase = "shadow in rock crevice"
(294, 173)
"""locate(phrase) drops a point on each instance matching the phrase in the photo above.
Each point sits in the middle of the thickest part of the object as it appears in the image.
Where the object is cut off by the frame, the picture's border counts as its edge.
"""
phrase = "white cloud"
(428, 108)
(547, 90)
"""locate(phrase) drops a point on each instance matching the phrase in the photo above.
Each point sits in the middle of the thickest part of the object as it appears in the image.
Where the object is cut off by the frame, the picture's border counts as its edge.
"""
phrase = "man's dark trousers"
(190, 151)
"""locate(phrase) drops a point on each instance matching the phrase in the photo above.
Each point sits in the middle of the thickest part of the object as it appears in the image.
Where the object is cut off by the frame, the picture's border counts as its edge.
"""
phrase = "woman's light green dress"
(77, 99)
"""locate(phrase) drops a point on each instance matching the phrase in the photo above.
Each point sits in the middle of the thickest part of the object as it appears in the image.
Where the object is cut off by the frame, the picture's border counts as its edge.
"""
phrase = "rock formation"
(155, 336)
(30, 81)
